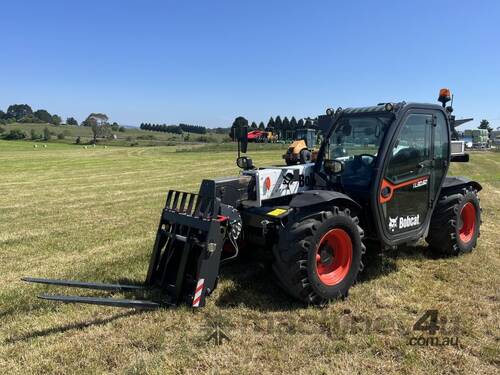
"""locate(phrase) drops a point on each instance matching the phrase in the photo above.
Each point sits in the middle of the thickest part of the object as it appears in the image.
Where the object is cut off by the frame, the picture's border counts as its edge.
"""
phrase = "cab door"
(404, 195)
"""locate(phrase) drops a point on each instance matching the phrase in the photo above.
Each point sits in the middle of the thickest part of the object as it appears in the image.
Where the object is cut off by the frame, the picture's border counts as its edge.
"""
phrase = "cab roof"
(381, 107)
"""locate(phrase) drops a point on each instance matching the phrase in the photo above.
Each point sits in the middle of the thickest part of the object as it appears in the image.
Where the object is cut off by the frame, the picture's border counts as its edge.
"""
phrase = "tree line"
(24, 113)
(176, 129)
(278, 125)
(98, 123)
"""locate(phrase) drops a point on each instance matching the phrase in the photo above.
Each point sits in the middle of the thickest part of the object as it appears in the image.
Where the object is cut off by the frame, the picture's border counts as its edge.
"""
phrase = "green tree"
(278, 122)
(30, 119)
(286, 126)
(95, 117)
(18, 111)
(254, 125)
(2, 114)
(56, 120)
(34, 135)
(278, 125)
(293, 123)
(71, 121)
(43, 116)
(270, 124)
(15, 134)
(262, 126)
(98, 122)
(485, 124)
(300, 124)
(46, 134)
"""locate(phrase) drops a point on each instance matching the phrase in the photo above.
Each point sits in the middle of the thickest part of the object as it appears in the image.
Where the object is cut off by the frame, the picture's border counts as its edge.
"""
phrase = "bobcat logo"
(393, 223)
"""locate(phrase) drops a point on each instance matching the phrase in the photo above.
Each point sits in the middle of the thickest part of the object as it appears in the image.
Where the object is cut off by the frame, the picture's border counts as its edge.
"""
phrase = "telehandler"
(301, 150)
(380, 175)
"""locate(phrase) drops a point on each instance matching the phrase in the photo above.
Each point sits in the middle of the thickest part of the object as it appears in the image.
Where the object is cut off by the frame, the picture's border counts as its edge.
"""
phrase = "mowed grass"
(91, 214)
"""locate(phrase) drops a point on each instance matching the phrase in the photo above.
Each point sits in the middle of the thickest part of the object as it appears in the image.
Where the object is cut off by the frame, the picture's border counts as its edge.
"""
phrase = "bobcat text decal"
(403, 222)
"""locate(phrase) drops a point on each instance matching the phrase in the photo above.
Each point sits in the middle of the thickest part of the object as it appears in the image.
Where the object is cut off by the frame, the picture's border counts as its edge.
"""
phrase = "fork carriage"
(184, 264)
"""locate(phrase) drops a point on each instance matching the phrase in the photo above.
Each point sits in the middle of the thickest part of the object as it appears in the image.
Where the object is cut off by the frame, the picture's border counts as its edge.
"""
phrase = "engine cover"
(276, 182)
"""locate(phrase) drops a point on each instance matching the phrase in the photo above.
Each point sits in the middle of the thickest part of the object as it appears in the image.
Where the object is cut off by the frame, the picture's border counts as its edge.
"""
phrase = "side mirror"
(333, 166)
(244, 141)
(240, 130)
(244, 163)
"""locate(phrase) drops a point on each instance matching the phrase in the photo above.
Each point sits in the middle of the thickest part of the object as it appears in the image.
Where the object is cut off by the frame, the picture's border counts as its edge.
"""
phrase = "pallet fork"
(185, 260)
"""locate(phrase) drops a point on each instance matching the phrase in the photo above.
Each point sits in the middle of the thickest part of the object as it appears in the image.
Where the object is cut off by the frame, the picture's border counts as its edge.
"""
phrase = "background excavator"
(301, 150)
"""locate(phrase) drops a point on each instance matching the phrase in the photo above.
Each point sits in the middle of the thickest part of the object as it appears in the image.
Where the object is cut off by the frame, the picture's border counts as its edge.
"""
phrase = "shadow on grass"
(255, 285)
(71, 326)
(380, 263)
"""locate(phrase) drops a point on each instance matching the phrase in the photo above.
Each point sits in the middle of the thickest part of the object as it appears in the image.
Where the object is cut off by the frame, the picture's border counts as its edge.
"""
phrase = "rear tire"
(319, 256)
(455, 223)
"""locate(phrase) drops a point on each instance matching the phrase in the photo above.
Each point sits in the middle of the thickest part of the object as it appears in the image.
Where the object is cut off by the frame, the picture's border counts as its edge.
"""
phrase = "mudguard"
(317, 197)
(452, 183)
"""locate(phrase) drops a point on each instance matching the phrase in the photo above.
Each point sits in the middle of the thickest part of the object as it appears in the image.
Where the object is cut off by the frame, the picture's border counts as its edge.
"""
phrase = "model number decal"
(420, 183)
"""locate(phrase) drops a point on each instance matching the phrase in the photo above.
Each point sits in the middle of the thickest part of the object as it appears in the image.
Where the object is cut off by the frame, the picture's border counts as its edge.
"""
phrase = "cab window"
(411, 149)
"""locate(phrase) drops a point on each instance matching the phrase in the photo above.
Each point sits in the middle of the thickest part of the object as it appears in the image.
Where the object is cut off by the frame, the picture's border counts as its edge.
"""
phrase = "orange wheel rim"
(334, 256)
(468, 222)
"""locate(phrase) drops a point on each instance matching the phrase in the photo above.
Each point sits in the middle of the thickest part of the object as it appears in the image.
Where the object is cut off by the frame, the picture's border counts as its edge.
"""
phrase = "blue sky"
(205, 62)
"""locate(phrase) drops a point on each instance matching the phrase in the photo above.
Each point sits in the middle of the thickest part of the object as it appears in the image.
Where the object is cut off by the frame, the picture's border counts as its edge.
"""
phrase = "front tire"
(319, 256)
(305, 156)
(455, 223)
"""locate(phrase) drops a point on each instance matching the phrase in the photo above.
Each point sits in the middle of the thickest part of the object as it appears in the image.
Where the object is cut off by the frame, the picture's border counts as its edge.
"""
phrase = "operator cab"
(393, 159)
(388, 160)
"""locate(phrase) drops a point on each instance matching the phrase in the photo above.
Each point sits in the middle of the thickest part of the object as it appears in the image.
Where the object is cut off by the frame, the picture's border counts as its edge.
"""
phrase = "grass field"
(91, 214)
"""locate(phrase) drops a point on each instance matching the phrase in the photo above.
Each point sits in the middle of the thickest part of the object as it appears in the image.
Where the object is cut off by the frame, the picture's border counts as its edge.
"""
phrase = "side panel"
(275, 182)
(406, 189)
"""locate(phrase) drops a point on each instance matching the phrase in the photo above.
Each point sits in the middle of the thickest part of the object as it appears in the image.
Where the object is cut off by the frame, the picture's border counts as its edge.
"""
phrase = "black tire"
(305, 156)
(295, 263)
(450, 233)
